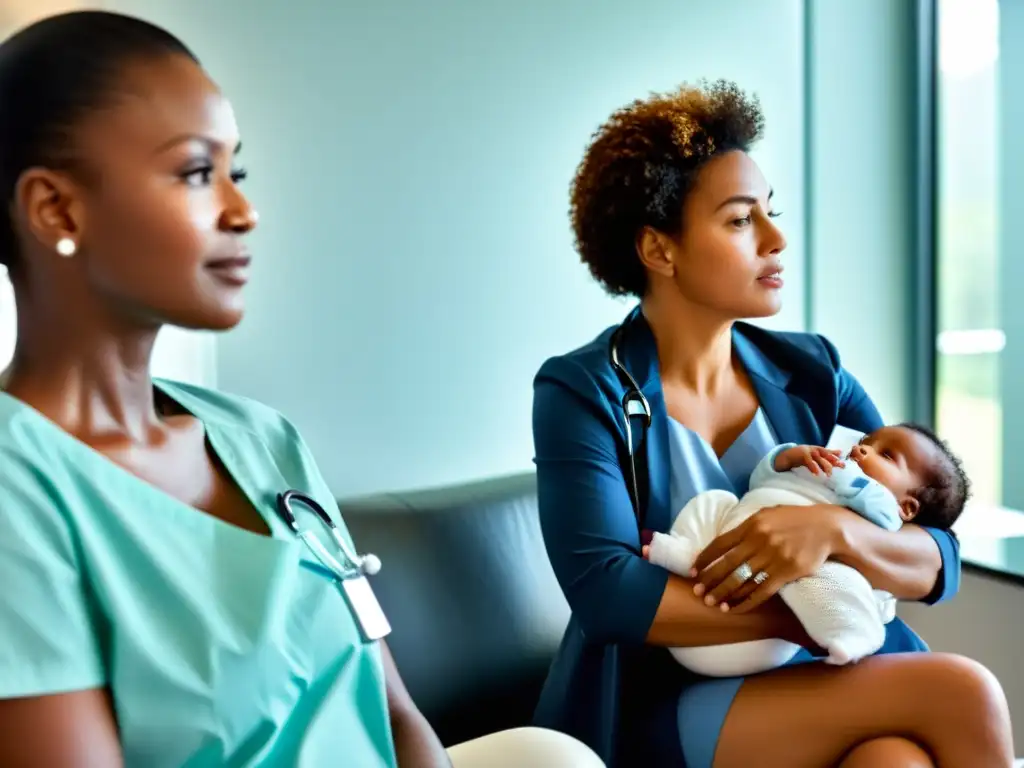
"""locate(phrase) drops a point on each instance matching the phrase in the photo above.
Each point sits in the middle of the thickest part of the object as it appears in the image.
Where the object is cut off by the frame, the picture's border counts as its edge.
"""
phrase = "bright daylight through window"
(970, 339)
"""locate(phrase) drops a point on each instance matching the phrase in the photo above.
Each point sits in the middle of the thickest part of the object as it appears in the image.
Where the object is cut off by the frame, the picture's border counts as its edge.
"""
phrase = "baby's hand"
(814, 457)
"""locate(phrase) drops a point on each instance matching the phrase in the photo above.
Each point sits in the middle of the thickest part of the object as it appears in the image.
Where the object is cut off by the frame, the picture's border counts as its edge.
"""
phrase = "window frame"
(925, 256)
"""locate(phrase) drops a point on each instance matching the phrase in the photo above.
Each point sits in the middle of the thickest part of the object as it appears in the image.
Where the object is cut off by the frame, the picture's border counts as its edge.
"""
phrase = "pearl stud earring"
(66, 247)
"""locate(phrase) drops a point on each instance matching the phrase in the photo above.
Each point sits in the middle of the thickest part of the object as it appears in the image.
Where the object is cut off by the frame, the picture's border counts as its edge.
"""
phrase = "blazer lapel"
(789, 414)
(787, 408)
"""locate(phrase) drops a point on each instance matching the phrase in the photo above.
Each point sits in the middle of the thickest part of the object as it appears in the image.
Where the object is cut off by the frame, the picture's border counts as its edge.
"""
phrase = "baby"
(892, 476)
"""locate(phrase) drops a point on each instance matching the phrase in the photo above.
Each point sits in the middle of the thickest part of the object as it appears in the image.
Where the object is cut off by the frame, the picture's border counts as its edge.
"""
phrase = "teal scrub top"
(221, 647)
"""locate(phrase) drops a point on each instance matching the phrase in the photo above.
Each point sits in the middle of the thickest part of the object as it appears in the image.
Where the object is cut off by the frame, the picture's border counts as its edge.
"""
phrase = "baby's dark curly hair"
(641, 165)
(943, 498)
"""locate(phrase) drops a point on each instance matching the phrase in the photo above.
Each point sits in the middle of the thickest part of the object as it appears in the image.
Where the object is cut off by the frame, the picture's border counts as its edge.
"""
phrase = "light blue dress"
(695, 469)
(220, 647)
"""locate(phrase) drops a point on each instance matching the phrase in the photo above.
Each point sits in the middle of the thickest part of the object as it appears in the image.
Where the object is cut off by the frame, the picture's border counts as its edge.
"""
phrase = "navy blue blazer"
(588, 523)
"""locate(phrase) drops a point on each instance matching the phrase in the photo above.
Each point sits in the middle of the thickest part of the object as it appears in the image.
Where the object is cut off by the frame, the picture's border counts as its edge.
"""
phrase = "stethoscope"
(357, 565)
(634, 406)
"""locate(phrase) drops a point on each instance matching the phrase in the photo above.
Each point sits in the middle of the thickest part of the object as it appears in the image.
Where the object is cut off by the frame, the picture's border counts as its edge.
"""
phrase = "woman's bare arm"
(905, 563)
(72, 730)
(683, 620)
(788, 543)
(416, 744)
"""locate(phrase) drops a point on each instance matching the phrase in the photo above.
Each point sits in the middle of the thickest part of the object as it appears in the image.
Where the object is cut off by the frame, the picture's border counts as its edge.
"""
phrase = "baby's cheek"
(872, 469)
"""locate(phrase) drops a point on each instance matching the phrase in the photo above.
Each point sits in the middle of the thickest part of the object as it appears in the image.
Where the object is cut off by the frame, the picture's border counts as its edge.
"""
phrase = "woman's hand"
(785, 543)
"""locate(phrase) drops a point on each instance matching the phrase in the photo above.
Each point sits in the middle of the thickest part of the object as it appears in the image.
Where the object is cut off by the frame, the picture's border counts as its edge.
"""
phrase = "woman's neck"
(91, 379)
(694, 345)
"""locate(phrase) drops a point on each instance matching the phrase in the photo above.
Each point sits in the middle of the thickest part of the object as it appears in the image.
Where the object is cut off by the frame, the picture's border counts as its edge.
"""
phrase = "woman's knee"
(969, 688)
(890, 752)
(953, 707)
(959, 695)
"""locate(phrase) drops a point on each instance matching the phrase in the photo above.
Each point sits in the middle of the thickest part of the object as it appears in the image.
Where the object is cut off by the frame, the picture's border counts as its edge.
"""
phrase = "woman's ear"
(48, 207)
(909, 507)
(656, 252)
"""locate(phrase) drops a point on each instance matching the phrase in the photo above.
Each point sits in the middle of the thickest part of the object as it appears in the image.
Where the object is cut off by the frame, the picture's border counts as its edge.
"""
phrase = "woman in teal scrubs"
(155, 610)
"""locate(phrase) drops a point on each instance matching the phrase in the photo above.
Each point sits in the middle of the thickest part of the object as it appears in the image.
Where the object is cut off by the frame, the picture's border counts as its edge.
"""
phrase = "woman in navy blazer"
(668, 207)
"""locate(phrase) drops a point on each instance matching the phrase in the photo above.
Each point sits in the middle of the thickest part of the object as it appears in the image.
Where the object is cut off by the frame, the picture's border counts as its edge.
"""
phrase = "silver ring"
(761, 577)
(743, 572)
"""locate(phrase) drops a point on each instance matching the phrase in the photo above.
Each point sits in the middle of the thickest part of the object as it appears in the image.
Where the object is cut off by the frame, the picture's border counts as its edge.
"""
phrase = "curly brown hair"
(640, 166)
(947, 489)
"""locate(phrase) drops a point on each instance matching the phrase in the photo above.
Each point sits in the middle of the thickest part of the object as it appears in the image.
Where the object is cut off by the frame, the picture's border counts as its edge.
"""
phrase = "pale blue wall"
(412, 161)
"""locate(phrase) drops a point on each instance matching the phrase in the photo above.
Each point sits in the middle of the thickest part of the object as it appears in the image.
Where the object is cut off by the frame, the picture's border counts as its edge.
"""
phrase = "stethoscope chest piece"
(357, 565)
(351, 575)
(370, 564)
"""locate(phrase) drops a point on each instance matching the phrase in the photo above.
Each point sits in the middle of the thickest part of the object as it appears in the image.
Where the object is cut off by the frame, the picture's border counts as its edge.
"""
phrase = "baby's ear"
(909, 507)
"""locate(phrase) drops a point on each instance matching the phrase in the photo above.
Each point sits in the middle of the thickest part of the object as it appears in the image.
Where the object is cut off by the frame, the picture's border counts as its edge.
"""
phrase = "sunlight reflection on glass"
(968, 36)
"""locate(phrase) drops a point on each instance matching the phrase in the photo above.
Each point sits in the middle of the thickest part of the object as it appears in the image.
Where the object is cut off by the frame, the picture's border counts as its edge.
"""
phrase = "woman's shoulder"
(226, 409)
(576, 396)
(794, 350)
(36, 452)
(38, 465)
(27, 442)
(580, 369)
(249, 423)
(587, 366)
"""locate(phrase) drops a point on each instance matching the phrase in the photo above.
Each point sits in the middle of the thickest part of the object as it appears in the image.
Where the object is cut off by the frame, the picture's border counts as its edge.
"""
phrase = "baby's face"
(897, 457)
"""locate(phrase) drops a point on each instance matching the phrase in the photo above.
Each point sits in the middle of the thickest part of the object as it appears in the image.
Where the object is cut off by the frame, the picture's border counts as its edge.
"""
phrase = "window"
(970, 339)
(8, 322)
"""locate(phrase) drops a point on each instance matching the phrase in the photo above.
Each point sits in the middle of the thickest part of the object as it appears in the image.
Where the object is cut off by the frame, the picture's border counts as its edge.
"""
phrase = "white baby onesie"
(837, 606)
